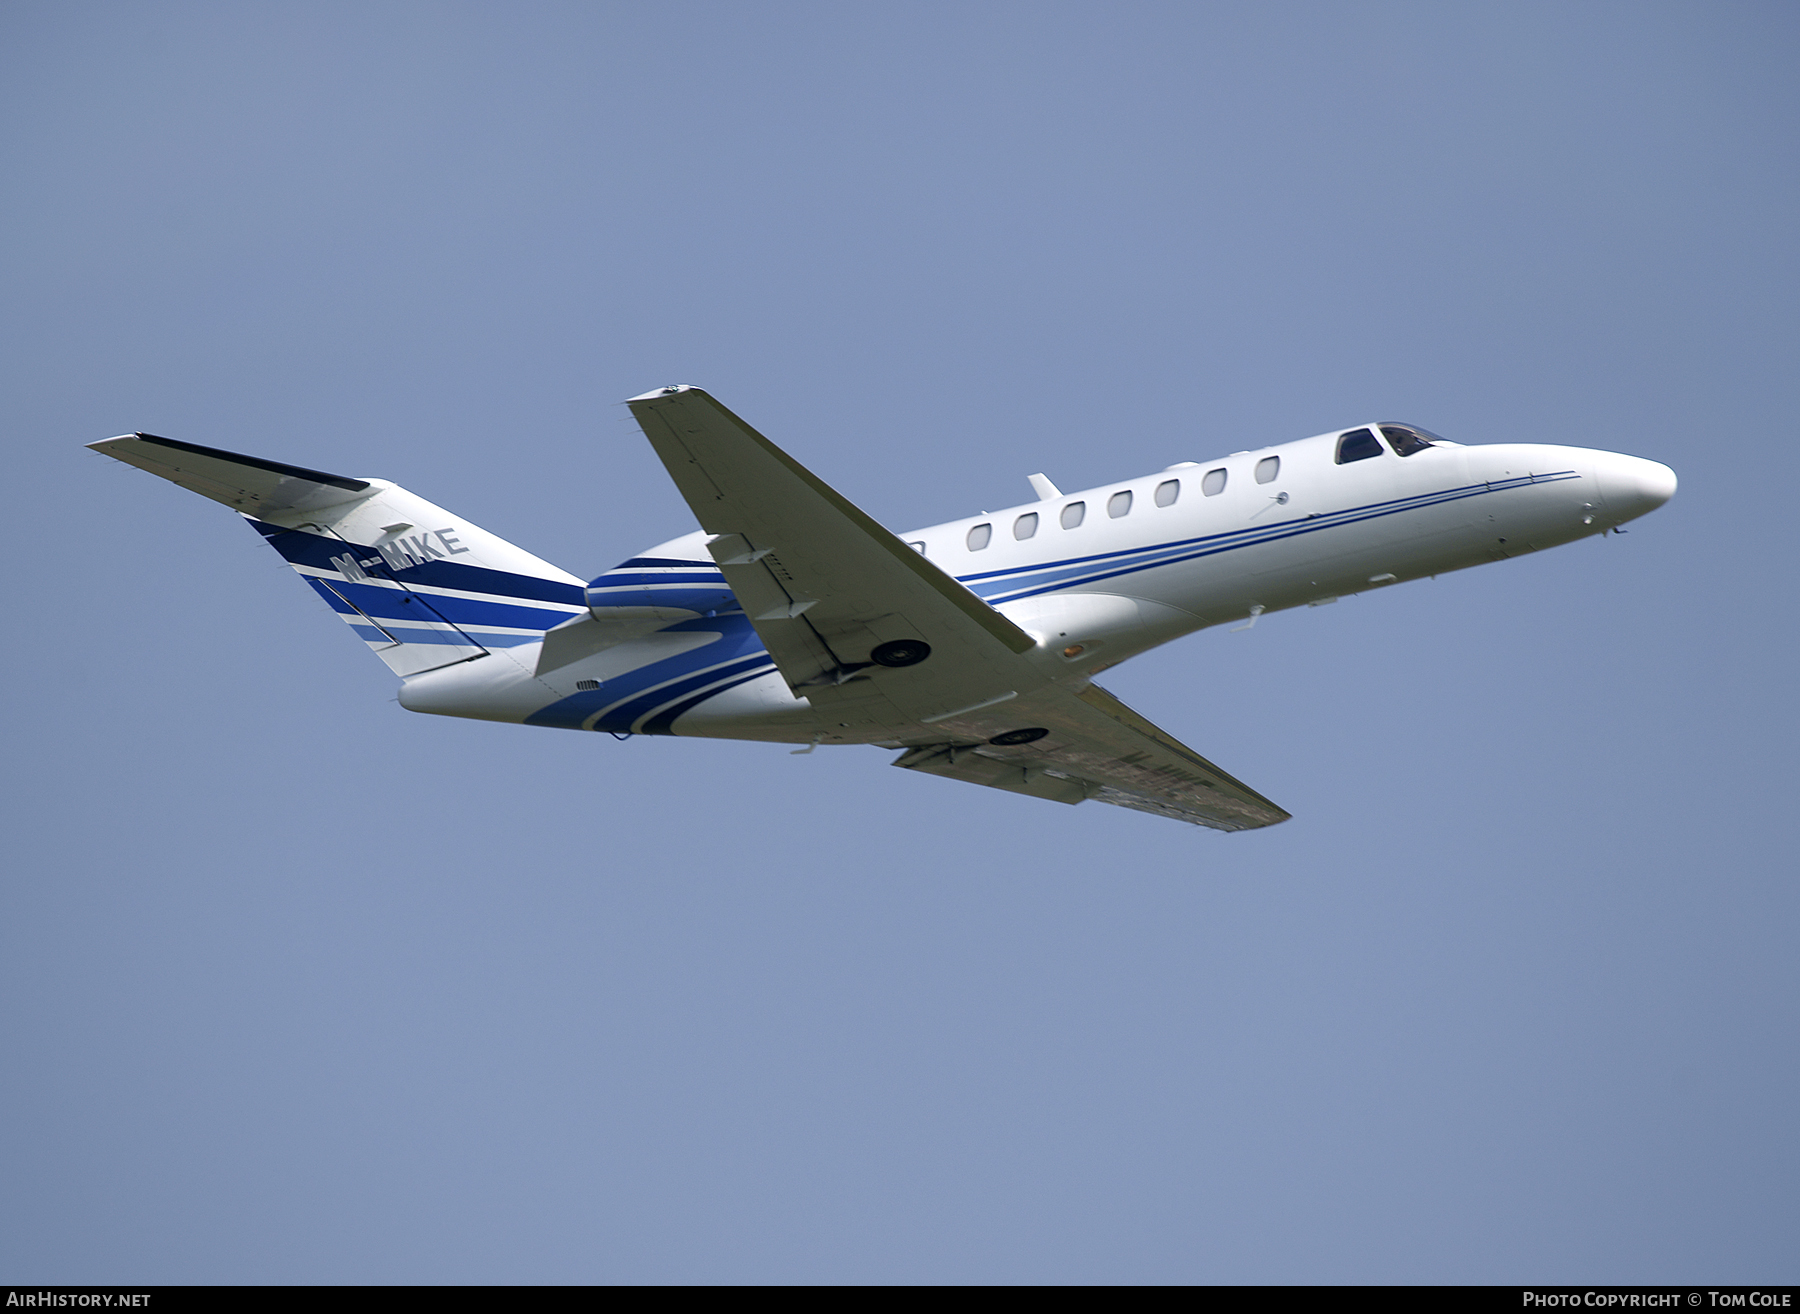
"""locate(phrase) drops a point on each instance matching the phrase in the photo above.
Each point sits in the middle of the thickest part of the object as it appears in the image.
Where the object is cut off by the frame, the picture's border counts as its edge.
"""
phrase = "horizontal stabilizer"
(245, 483)
(593, 632)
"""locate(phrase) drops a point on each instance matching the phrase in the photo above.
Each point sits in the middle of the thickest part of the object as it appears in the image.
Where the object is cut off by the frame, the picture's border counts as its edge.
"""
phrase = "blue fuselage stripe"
(632, 695)
(1029, 581)
(306, 549)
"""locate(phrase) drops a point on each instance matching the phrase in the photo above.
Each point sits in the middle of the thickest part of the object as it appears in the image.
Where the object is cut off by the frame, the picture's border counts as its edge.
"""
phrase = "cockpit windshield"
(1406, 439)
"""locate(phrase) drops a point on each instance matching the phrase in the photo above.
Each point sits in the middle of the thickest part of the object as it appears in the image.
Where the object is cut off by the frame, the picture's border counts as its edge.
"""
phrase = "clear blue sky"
(296, 986)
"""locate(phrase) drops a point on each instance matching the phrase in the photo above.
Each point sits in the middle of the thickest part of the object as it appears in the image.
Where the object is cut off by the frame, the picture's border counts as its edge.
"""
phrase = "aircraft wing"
(1099, 748)
(831, 592)
(841, 604)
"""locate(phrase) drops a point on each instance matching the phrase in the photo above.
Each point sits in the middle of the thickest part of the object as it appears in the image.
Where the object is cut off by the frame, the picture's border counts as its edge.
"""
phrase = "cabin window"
(1214, 483)
(979, 537)
(1357, 445)
(1025, 526)
(1406, 439)
(1167, 492)
(1073, 514)
(1268, 468)
(1119, 504)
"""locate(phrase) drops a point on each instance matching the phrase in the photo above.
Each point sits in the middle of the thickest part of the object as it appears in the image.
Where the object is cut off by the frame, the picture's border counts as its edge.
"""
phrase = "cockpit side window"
(1408, 438)
(1357, 445)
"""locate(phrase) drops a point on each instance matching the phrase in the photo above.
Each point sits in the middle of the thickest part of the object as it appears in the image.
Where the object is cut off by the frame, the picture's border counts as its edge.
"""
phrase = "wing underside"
(1097, 748)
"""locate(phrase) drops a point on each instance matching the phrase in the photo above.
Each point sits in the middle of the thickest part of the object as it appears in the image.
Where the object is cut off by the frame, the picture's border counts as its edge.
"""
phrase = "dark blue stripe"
(625, 716)
(737, 644)
(307, 549)
(332, 600)
(400, 609)
(663, 723)
(617, 579)
(379, 602)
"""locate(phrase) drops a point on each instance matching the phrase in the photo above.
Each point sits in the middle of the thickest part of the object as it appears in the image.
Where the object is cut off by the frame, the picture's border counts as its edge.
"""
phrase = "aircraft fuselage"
(1095, 576)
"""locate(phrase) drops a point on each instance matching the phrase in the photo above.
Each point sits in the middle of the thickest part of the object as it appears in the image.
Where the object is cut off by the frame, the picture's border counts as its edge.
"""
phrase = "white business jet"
(791, 616)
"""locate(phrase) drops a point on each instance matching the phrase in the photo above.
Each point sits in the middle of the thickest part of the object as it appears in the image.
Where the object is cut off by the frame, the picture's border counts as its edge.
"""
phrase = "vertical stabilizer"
(422, 587)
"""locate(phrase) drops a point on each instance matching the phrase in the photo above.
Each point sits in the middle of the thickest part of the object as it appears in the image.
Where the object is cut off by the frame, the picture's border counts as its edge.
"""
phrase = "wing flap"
(1094, 746)
(974, 766)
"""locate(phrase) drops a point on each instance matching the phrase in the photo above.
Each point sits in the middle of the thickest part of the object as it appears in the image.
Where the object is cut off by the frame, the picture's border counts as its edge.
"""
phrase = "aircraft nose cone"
(1634, 487)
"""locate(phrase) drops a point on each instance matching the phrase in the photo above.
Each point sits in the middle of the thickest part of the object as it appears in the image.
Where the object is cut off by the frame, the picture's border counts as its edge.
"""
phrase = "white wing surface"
(840, 603)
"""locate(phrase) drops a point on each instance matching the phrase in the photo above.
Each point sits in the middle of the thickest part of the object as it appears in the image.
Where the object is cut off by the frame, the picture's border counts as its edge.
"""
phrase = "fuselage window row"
(1353, 445)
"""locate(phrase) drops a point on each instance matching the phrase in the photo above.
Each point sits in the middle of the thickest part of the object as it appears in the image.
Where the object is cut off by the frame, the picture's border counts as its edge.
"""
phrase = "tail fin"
(421, 587)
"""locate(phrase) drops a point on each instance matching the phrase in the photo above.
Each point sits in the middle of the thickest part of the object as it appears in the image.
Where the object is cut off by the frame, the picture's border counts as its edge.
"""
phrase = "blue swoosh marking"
(307, 549)
(381, 603)
(664, 721)
(645, 689)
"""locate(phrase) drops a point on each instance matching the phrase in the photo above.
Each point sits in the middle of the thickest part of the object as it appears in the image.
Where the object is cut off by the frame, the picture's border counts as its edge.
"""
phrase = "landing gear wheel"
(901, 652)
(1011, 737)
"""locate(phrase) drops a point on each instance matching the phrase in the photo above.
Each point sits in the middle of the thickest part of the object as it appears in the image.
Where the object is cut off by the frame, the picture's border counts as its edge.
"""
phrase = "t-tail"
(422, 587)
